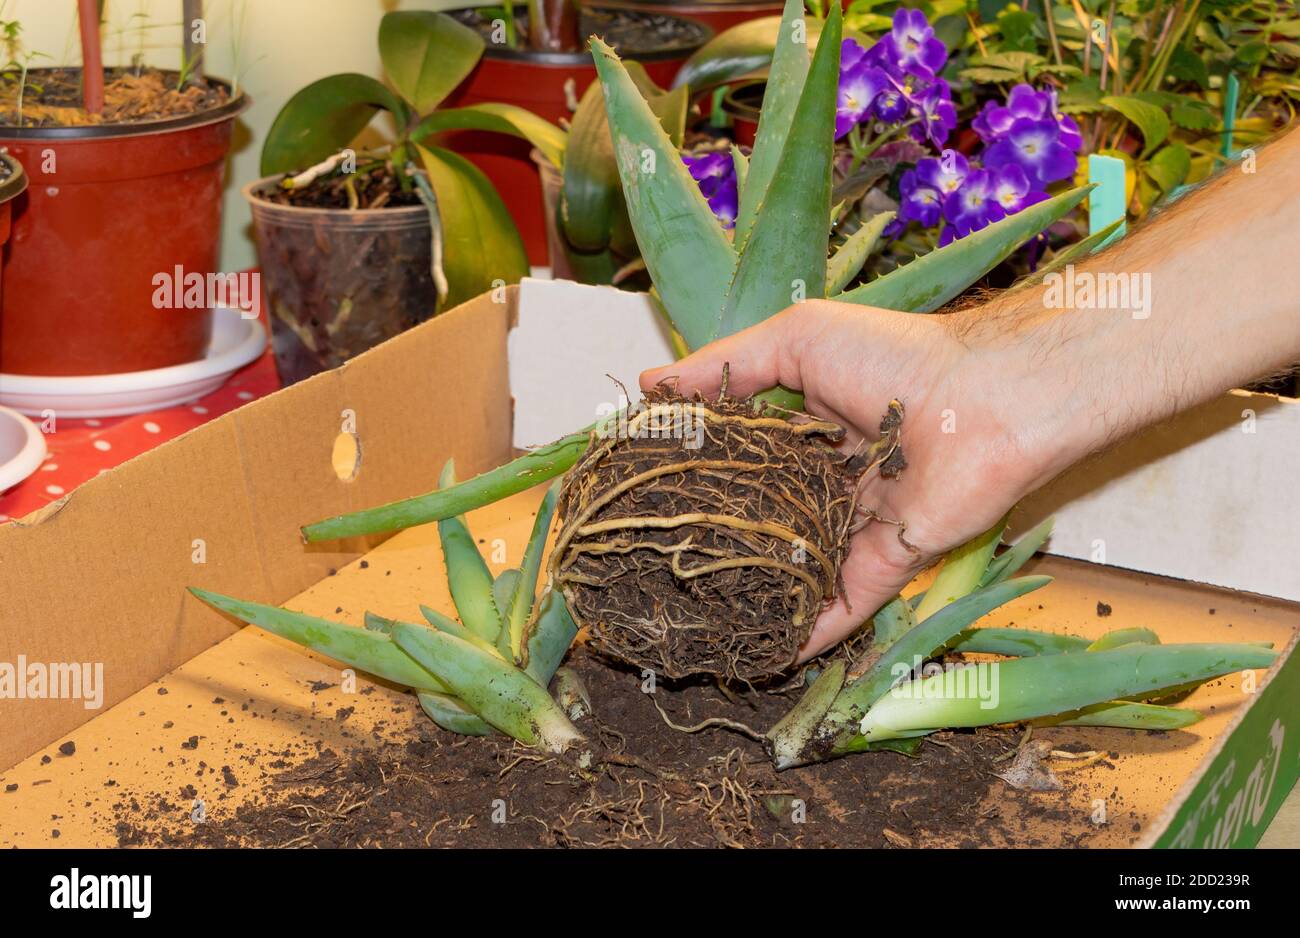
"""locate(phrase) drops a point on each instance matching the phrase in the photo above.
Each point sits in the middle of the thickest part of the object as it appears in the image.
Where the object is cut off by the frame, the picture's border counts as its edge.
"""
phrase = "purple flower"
(944, 174)
(911, 47)
(934, 109)
(860, 83)
(971, 207)
(919, 202)
(716, 175)
(1010, 189)
(891, 103)
(1034, 146)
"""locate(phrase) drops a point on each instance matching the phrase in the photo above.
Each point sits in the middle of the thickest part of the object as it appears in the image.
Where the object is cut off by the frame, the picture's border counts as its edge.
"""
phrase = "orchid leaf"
(426, 55)
(507, 119)
(322, 119)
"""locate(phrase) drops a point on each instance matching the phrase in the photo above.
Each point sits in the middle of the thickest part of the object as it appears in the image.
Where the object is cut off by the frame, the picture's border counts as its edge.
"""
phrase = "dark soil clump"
(52, 97)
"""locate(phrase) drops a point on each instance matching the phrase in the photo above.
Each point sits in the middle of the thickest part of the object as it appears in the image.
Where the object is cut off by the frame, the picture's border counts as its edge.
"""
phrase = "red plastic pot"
(109, 209)
(13, 186)
(541, 82)
(743, 104)
(716, 14)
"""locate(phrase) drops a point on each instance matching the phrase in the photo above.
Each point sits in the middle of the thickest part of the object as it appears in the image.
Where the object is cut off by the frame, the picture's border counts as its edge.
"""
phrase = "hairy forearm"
(1209, 297)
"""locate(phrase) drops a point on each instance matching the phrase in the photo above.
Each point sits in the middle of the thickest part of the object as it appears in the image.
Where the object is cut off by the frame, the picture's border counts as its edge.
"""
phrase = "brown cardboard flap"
(101, 576)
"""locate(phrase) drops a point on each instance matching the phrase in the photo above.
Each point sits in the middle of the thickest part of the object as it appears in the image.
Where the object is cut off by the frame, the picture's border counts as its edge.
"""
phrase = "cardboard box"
(99, 578)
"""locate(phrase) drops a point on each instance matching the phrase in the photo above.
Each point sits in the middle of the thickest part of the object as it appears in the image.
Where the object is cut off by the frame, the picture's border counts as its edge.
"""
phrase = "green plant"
(487, 671)
(425, 56)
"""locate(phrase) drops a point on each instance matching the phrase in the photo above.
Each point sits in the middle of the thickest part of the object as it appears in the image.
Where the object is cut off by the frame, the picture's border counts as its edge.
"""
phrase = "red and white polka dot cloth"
(81, 449)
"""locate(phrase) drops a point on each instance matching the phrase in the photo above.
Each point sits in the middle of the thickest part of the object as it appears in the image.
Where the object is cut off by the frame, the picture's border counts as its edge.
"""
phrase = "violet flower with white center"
(911, 46)
(1034, 145)
(933, 108)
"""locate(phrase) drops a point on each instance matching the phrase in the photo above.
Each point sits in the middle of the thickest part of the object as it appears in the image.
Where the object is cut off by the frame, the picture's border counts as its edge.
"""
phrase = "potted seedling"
(354, 246)
(127, 167)
(657, 527)
(536, 58)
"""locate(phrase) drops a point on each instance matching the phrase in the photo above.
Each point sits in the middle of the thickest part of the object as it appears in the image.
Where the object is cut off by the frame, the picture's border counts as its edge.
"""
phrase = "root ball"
(705, 537)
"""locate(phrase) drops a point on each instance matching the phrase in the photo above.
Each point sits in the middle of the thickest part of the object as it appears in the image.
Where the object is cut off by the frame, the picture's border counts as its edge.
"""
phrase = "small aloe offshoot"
(487, 671)
(888, 700)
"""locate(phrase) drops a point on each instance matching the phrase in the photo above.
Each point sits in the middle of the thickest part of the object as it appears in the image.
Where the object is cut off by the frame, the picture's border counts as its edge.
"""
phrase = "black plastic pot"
(339, 281)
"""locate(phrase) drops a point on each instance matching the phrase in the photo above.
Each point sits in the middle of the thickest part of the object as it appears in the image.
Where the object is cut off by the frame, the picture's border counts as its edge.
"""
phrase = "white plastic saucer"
(22, 448)
(236, 341)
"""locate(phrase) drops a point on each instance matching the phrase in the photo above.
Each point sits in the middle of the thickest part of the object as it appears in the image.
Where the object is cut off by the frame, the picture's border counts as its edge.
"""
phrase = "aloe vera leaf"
(783, 255)
(452, 715)
(1011, 560)
(550, 637)
(1078, 251)
(962, 570)
(932, 280)
(1017, 643)
(894, 620)
(781, 99)
(377, 623)
(922, 641)
(1131, 716)
(495, 690)
(449, 625)
(792, 734)
(467, 574)
(521, 603)
(543, 463)
(365, 649)
(1031, 688)
(853, 253)
(740, 163)
(684, 247)
(1119, 637)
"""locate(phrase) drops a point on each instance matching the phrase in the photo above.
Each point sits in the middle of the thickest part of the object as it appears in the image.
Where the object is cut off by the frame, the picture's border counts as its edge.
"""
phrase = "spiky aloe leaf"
(789, 739)
(378, 623)
(1129, 716)
(853, 253)
(545, 462)
(452, 715)
(962, 570)
(935, 278)
(921, 642)
(684, 248)
(1009, 561)
(549, 638)
(740, 163)
(452, 627)
(1076, 252)
(521, 603)
(783, 257)
(785, 83)
(467, 574)
(1031, 688)
(894, 620)
(495, 690)
(367, 650)
(1017, 643)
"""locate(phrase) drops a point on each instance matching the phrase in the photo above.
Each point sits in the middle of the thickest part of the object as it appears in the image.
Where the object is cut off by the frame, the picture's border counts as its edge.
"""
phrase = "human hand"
(967, 463)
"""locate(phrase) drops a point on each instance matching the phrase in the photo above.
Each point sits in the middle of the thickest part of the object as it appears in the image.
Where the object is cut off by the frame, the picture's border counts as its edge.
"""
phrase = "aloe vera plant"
(486, 672)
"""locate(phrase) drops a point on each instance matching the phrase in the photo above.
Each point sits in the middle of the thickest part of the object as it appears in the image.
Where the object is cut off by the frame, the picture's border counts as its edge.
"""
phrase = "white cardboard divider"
(1211, 496)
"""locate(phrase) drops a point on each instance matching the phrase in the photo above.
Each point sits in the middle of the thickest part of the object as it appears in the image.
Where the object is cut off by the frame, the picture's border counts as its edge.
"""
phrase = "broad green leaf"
(592, 206)
(1016, 643)
(1193, 116)
(501, 694)
(452, 715)
(1129, 716)
(467, 574)
(322, 119)
(521, 603)
(545, 462)
(499, 118)
(1169, 166)
(742, 51)
(683, 245)
(1031, 688)
(962, 571)
(426, 55)
(367, 650)
(921, 642)
(930, 281)
(481, 245)
(783, 258)
(781, 99)
(853, 253)
(1149, 118)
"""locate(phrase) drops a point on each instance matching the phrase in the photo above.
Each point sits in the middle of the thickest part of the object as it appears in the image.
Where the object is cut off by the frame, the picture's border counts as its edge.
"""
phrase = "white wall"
(271, 47)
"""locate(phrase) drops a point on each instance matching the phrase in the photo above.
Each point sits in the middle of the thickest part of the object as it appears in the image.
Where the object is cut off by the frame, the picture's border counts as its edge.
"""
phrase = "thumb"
(757, 358)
